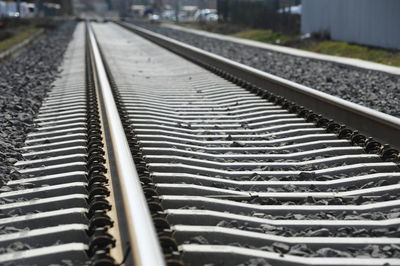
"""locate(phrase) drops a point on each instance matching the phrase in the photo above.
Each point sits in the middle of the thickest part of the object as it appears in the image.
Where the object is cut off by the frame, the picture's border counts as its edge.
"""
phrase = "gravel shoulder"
(373, 89)
(24, 82)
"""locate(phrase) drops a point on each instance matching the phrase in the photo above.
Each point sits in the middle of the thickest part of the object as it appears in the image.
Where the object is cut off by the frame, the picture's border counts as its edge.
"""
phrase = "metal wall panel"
(370, 22)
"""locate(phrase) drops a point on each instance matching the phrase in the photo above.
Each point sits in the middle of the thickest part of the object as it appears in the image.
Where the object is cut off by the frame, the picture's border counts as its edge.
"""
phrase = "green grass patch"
(215, 27)
(239, 31)
(382, 56)
(267, 36)
(17, 38)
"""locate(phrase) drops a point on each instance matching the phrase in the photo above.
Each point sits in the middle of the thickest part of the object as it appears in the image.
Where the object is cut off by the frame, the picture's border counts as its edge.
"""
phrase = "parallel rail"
(142, 236)
(381, 126)
(198, 166)
(219, 161)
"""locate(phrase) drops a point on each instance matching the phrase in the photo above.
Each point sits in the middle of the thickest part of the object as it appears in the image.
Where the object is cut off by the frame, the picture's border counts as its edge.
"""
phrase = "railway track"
(140, 156)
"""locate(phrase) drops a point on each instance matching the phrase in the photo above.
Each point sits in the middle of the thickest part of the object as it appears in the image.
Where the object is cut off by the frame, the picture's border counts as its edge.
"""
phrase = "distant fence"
(369, 22)
(259, 14)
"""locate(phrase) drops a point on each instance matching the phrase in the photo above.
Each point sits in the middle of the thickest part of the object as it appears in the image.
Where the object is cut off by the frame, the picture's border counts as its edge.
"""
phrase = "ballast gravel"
(24, 82)
(373, 89)
(303, 250)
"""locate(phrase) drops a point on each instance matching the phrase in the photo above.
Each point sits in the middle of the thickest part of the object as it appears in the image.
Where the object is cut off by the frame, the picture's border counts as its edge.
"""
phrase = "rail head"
(144, 243)
(381, 126)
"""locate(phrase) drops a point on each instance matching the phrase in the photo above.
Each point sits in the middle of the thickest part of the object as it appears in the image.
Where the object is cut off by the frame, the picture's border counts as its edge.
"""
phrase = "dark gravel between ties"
(302, 250)
(24, 82)
(374, 89)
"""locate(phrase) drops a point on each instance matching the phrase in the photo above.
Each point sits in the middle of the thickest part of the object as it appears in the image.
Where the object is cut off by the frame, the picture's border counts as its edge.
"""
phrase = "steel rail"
(184, 184)
(382, 127)
(142, 235)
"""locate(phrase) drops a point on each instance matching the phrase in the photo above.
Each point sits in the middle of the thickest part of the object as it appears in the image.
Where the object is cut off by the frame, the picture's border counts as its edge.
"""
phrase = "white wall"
(370, 22)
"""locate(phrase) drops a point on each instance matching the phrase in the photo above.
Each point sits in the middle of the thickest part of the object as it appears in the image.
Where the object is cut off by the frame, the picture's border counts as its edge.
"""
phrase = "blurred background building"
(369, 22)
(278, 15)
(35, 8)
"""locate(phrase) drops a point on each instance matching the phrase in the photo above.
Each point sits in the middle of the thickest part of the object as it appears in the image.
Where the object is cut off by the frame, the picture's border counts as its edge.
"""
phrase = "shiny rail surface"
(373, 123)
(63, 208)
(142, 237)
(231, 176)
(142, 157)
